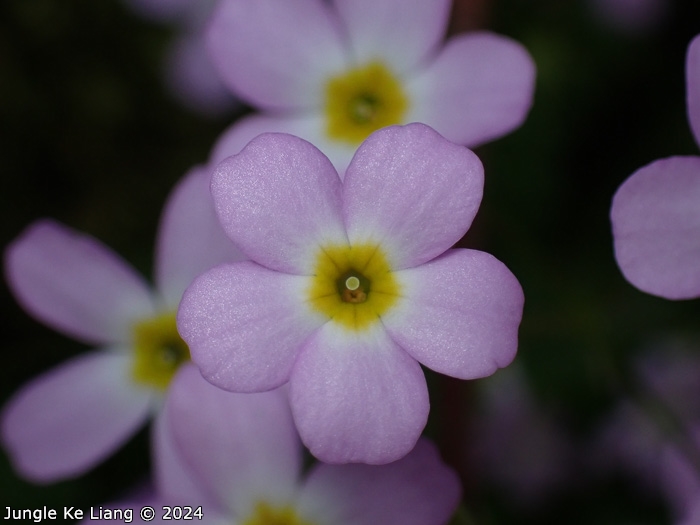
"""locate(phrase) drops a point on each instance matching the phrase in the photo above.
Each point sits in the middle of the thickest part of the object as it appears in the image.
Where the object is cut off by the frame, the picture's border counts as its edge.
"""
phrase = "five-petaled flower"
(656, 213)
(332, 74)
(65, 421)
(350, 286)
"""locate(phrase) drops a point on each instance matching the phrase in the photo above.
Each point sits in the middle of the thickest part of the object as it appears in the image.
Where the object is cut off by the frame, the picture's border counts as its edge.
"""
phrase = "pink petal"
(680, 480)
(175, 480)
(67, 420)
(418, 489)
(693, 80)
(276, 54)
(192, 78)
(75, 284)
(308, 126)
(479, 88)
(357, 397)
(693, 515)
(656, 227)
(403, 34)
(279, 199)
(190, 237)
(242, 448)
(459, 314)
(245, 324)
(411, 191)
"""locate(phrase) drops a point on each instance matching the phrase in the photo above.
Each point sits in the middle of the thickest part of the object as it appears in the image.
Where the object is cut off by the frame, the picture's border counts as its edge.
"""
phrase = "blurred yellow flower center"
(159, 351)
(363, 100)
(353, 285)
(266, 515)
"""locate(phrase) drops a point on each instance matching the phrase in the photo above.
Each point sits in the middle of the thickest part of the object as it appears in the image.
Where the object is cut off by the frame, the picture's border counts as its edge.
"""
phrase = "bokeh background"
(91, 136)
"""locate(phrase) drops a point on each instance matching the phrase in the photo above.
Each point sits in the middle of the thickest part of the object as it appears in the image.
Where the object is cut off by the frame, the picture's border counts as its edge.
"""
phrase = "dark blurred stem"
(469, 15)
(454, 408)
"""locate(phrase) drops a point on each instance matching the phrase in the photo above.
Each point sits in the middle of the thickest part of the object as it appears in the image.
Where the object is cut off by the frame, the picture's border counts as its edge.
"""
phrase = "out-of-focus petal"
(175, 480)
(632, 16)
(75, 284)
(357, 397)
(245, 325)
(680, 479)
(479, 88)
(309, 126)
(517, 444)
(69, 419)
(459, 314)
(276, 54)
(192, 78)
(656, 227)
(411, 191)
(418, 489)
(161, 10)
(190, 238)
(242, 448)
(693, 86)
(279, 200)
(693, 515)
(401, 33)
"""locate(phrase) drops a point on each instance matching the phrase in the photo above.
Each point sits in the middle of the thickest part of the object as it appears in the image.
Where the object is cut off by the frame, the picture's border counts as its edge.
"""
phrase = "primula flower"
(239, 457)
(67, 420)
(656, 213)
(333, 72)
(350, 285)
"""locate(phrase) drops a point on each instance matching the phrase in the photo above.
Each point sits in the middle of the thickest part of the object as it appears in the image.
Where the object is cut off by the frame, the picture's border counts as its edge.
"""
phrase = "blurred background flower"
(188, 71)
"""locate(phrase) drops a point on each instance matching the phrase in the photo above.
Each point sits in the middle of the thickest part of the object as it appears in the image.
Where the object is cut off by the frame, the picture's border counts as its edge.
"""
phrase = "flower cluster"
(338, 278)
(324, 296)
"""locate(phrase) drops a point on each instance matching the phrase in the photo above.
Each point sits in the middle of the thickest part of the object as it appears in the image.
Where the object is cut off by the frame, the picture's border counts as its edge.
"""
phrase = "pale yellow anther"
(352, 283)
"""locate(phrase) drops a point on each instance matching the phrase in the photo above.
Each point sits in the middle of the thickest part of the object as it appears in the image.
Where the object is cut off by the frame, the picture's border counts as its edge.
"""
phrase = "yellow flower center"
(266, 515)
(353, 285)
(159, 351)
(363, 100)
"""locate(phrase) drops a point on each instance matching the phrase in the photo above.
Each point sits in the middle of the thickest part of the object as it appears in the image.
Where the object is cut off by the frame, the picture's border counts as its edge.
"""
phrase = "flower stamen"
(361, 101)
(159, 351)
(353, 285)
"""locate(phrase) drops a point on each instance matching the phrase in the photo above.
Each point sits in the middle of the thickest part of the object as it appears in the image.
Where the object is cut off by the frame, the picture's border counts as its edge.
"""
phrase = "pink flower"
(333, 72)
(350, 286)
(656, 214)
(239, 457)
(67, 420)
